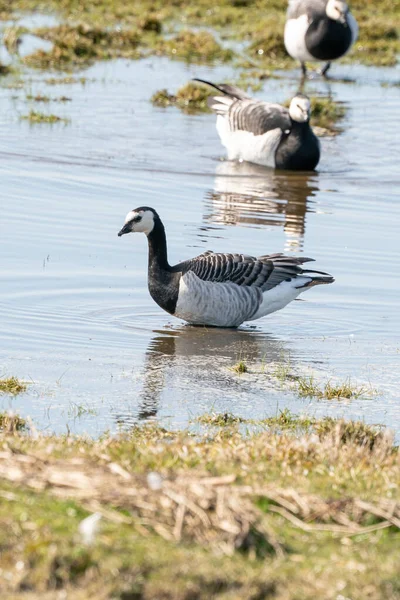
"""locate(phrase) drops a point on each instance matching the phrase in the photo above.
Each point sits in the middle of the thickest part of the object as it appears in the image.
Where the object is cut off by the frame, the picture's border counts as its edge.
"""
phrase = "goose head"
(337, 10)
(139, 220)
(300, 109)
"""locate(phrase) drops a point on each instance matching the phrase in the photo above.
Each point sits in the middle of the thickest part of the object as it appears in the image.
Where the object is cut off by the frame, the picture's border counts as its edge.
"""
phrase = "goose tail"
(317, 278)
(221, 104)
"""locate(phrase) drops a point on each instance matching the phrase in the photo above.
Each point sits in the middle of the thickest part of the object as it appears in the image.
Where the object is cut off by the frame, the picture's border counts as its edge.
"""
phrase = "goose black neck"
(158, 247)
(300, 128)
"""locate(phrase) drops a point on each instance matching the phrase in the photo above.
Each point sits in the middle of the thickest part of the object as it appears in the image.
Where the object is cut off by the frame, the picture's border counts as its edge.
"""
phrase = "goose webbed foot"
(325, 70)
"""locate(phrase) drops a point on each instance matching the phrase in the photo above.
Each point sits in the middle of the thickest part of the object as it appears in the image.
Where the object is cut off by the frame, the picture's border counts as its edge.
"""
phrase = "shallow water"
(76, 318)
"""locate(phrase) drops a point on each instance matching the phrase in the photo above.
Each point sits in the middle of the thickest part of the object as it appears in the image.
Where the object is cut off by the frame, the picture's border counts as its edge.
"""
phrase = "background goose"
(221, 290)
(319, 30)
(264, 133)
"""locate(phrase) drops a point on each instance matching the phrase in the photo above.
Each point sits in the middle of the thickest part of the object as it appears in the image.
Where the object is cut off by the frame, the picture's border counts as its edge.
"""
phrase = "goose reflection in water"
(193, 364)
(247, 194)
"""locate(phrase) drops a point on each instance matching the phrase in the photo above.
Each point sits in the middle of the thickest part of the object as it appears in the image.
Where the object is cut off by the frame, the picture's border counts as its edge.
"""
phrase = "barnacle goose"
(221, 290)
(264, 133)
(319, 30)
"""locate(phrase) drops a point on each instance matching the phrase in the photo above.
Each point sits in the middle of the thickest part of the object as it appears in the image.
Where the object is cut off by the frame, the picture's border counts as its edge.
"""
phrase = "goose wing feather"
(258, 117)
(245, 113)
(264, 272)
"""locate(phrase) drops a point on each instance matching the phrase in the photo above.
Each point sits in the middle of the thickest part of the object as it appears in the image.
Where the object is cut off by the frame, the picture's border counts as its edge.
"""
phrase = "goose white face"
(300, 109)
(138, 221)
(337, 10)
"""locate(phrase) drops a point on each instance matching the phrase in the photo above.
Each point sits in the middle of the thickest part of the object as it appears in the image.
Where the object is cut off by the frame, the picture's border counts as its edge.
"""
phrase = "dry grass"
(10, 423)
(256, 515)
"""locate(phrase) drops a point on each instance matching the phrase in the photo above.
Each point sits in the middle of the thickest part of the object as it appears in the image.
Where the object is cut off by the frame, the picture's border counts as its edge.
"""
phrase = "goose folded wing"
(258, 117)
(264, 272)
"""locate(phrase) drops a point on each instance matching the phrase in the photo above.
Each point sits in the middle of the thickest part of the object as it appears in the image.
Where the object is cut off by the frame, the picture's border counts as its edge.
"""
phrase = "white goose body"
(215, 289)
(265, 133)
(229, 305)
(319, 30)
(244, 145)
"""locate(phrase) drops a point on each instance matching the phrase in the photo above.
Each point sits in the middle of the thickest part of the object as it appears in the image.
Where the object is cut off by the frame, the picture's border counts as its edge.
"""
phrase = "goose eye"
(137, 219)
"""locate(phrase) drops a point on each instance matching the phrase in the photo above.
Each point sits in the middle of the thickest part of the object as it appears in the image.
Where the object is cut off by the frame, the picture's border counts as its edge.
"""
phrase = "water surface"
(76, 318)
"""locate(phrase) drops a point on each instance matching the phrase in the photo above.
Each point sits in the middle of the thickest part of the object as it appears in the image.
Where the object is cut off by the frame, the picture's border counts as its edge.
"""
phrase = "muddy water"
(76, 319)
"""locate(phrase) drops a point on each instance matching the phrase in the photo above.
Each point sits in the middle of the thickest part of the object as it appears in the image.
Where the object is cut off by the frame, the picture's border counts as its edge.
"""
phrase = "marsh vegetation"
(262, 513)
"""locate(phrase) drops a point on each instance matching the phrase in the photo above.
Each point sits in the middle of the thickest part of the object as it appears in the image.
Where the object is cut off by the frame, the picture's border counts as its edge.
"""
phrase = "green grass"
(92, 31)
(35, 117)
(308, 387)
(240, 367)
(78, 45)
(190, 98)
(193, 46)
(327, 113)
(12, 385)
(270, 513)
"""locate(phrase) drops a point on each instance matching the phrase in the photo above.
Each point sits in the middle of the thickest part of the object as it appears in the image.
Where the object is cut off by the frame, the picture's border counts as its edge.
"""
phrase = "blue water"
(76, 319)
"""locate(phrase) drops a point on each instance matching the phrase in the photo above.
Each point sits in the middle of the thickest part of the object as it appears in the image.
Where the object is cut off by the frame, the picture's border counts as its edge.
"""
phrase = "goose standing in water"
(221, 290)
(319, 30)
(264, 133)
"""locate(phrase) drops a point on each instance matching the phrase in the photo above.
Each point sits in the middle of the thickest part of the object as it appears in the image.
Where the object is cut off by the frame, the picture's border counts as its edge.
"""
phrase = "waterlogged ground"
(76, 319)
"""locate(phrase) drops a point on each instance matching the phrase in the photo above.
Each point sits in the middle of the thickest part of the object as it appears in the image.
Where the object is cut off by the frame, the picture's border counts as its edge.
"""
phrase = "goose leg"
(325, 70)
(303, 69)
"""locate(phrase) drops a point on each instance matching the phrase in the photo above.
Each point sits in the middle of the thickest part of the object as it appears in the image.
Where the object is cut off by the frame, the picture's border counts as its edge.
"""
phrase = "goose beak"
(125, 229)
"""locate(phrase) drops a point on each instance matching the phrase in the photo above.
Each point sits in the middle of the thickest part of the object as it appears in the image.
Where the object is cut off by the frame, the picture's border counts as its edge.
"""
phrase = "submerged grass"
(12, 385)
(69, 80)
(240, 367)
(4, 70)
(265, 514)
(35, 117)
(220, 419)
(308, 387)
(44, 98)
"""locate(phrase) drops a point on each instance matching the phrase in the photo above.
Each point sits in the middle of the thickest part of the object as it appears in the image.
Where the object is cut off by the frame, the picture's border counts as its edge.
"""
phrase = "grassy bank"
(286, 508)
(104, 29)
